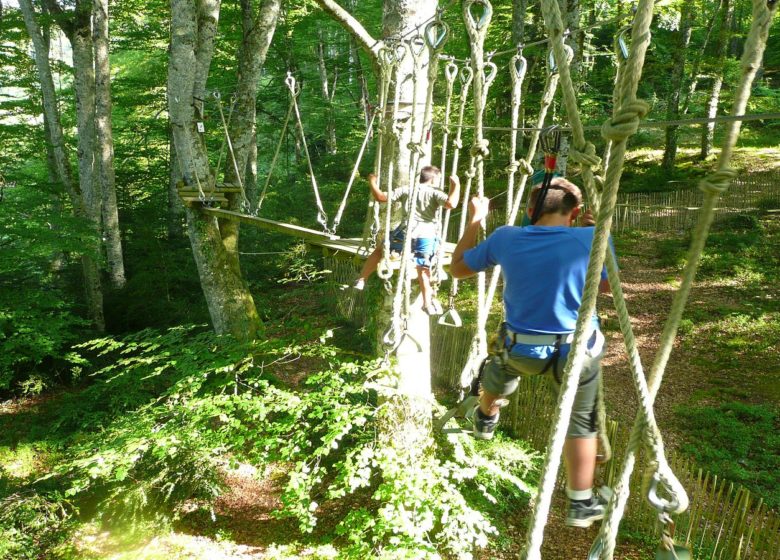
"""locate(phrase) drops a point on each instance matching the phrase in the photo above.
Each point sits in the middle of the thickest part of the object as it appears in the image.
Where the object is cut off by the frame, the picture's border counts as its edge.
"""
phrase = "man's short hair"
(562, 197)
(429, 173)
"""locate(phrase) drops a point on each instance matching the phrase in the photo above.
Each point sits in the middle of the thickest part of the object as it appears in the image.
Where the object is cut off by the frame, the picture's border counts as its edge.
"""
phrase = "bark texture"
(105, 147)
(193, 28)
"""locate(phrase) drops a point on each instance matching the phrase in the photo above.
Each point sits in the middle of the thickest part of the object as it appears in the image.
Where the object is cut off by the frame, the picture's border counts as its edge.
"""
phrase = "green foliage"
(739, 442)
(297, 266)
(32, 526)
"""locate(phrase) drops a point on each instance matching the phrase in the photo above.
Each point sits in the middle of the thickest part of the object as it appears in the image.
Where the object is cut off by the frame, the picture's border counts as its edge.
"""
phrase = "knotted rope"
(712, 186)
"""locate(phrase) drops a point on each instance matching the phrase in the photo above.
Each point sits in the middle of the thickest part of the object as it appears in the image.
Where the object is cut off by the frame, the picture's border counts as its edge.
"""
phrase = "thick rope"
(322, 217)
(466, 77)
(443, 218)
(477, 31)
(245, 205)
(712, 186)
(599, 249)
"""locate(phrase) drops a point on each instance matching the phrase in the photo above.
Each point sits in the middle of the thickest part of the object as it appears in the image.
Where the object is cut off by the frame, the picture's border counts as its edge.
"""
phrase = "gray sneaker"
(585, 513)
(483, 427)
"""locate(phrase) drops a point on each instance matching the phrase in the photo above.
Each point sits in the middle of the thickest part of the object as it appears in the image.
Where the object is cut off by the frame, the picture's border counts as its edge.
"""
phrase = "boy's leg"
(369, 267)
(580, 456)
(424, 278)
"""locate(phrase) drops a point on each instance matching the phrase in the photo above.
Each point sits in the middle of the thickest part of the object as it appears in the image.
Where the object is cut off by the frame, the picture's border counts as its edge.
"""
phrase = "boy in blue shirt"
(543, 268)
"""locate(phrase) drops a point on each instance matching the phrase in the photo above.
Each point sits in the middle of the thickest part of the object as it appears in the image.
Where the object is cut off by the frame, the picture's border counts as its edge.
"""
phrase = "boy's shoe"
(586, 512)
(432, 310)
(483, 428)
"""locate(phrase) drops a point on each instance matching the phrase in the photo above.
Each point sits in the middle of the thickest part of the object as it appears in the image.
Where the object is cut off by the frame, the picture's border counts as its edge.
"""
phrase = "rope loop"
(585, 156)
(480, 149)
(491, 71)
(451, 72)
(466, 75)
(520, 67)
(718, 182)
(478, 25)
(292, 85)
(458, 143)
(626, 121)
(417, 48)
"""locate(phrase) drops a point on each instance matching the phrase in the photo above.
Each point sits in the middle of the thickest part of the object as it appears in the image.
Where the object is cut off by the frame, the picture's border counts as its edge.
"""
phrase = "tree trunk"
(676, 83)
(105, 147)
(708, 130)
(193, 29)
(698, 60)
(519, 7)
(175, 207)
(327, 96)
(84, 86)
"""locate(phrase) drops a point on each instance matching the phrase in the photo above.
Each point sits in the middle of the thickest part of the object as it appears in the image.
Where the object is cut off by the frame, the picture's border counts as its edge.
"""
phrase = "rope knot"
(458, 143)
(416, 148)
(480, 149)
(718, 182)
(585, 155)
(626, 122)
(471, 173)
(520, 165)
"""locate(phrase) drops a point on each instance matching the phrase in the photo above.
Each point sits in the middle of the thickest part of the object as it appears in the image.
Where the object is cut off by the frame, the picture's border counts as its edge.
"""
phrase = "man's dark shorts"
(423, 248)
(502, 376)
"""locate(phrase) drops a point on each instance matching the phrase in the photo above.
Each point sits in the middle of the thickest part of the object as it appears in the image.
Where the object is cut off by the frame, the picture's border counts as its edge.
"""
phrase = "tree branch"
(353, 27)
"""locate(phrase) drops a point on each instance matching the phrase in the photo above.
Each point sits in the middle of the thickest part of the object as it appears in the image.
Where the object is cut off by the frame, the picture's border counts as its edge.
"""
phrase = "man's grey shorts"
(501, 377)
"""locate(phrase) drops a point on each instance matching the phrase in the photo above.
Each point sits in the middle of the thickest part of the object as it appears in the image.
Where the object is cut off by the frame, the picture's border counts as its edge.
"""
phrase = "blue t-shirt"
(544, 274)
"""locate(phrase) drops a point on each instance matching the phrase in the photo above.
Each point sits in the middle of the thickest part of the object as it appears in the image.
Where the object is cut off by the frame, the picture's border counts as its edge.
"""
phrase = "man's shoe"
(586, 512)
(483, 427)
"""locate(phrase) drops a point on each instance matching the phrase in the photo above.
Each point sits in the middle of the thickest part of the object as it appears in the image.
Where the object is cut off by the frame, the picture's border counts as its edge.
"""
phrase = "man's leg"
(369, 267)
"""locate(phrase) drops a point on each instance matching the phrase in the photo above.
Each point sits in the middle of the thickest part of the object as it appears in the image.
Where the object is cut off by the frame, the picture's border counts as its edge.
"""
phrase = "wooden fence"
(725, 521)
(677, 210)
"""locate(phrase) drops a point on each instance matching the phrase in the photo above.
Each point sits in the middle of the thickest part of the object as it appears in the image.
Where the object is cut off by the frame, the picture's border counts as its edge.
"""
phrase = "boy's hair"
(562, 197)
(428, 173)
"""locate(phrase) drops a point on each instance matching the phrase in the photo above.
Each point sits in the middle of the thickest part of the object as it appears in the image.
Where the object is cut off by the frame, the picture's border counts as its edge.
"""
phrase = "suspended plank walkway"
(338, 246)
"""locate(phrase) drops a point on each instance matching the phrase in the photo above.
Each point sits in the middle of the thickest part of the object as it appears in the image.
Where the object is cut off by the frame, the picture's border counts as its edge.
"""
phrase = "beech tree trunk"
(519, 7)
(83, 202)
(406, 422)
(193, 28)
(683, 37)
(708, 130)
(105, 147)
(175, 206)
(694, 81)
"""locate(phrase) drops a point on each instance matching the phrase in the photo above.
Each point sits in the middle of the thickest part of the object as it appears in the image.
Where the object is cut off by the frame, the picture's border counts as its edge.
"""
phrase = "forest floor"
(728, 350)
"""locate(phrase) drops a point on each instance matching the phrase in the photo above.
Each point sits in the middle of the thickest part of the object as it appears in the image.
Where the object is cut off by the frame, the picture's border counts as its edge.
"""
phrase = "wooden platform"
(335, 245)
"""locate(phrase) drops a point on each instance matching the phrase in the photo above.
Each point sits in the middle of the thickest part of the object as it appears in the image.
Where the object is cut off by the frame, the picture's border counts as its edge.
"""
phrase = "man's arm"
(378, 195)
(478, 210)
(454, 195)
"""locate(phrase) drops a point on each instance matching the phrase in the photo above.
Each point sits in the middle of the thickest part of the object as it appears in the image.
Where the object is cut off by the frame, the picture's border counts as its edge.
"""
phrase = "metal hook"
(621, 46)
(552, 64)
(492, 72)
(661, 504)
(436, 34)
(520, 65)
(484, 19)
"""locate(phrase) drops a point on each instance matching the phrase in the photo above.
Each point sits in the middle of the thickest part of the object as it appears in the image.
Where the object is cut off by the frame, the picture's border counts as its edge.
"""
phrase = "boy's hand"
(478, 208)
(588, 219)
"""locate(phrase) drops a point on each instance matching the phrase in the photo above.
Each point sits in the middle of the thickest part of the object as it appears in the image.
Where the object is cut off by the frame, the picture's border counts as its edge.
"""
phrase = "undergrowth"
(167, 414)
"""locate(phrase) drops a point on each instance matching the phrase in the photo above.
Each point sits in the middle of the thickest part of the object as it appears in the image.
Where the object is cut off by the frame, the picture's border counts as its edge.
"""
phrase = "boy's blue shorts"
(423, 248)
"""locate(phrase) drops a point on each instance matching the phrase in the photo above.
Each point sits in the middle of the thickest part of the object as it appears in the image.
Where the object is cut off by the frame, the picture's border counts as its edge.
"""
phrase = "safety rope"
(278, 150)
(443, 217)
(295, 90)
(451, 316)
(618, 130)
(244, 200)
(712, 186)
(517, 70)
(477, 30)
(433, 40)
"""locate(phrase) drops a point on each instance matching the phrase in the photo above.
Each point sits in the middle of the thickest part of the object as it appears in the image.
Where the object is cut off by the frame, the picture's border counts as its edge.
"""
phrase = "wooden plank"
(310, 235)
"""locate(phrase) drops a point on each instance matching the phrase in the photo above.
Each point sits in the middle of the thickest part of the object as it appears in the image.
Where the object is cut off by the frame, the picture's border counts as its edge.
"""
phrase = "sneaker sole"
(584, 523)
(482, 435)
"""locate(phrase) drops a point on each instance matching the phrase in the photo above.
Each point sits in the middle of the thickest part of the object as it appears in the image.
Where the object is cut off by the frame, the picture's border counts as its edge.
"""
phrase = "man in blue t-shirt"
(543, 267)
